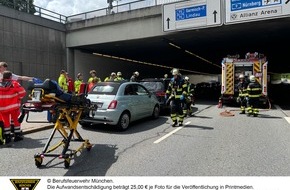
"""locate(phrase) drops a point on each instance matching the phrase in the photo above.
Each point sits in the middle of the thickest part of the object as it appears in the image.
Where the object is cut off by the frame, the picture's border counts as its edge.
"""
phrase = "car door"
(145, 101)
(132, 101)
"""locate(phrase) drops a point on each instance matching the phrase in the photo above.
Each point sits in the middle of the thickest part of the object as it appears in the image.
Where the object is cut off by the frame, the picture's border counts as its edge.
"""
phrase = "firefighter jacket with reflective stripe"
(11, 93)
(190, 89)
(254, 90)
(176, 88)
(242, 87)
(62, 82)
(77, 85)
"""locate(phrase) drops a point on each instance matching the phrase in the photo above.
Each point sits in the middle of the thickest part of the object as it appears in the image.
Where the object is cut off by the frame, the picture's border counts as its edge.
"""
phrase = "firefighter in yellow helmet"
(254, 90)
(176, 94)
(242, 88)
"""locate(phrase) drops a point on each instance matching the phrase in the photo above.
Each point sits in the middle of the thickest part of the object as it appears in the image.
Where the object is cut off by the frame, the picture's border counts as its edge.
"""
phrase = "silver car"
(120, 103)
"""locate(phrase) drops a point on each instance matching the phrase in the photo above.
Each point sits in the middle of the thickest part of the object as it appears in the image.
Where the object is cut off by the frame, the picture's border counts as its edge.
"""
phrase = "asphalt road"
(209, 144)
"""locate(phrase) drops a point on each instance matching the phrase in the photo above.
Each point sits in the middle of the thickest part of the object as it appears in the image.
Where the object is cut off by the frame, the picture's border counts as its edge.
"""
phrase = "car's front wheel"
(124, 121)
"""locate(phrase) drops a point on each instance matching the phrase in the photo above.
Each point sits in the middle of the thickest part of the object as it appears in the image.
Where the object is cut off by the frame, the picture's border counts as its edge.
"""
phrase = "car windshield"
(109, 89)
(154, 86)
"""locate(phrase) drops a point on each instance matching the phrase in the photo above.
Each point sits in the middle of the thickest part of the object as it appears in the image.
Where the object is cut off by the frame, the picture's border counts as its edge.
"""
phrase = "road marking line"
(171, 133)
(287, 119)
(279, 108)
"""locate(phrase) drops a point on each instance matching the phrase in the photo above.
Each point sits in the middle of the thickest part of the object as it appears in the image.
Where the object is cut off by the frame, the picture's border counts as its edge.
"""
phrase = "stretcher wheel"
(89, 147)
(66, 162)
(38, 161)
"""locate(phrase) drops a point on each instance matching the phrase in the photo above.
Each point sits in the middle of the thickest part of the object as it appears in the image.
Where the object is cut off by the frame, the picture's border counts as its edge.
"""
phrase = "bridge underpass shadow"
(95, 162)
(135, 127)
(265, 116)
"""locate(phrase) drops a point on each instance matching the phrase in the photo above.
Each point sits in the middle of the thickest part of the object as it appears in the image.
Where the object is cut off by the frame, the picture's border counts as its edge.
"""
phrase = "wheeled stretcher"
(68, 111)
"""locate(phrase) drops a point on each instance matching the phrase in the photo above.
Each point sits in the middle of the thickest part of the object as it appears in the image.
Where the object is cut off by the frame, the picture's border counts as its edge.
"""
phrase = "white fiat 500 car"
(119, 104)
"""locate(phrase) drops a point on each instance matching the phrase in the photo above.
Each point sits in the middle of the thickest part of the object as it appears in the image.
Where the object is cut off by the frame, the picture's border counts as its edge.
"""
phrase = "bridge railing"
(25, 6)
(38, 11)
(50, 15)
(117, 9)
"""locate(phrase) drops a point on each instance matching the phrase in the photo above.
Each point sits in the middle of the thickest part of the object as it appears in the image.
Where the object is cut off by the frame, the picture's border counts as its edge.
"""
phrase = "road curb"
(33, 130)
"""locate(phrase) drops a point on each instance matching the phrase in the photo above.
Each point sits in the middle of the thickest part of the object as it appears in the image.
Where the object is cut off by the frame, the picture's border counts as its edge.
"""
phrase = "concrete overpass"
(138, 35)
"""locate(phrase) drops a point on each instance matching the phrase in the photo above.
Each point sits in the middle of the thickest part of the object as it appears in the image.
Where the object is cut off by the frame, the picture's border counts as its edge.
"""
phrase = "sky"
(71, 7)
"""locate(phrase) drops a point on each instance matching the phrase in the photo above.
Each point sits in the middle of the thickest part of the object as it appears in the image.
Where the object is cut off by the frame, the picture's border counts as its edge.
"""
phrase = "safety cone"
(220, 103)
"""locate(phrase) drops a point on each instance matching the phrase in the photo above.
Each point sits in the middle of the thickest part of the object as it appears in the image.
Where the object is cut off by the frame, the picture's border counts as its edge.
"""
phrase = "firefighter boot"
(18, 137)
(180, 124)
(255, 112)
(174, 124)
(7, 138)
(243, 111)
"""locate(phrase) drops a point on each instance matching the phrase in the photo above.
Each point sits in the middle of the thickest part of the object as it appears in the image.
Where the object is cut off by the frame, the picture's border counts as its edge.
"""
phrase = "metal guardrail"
(25, 6)
(50, 15)
(117, 9)
(87, 15)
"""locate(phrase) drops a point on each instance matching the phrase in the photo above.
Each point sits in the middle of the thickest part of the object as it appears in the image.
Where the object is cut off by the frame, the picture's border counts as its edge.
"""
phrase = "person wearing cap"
(62, 81)
(78, 82)
(111, 77)
(119, 77)
(176, 93)
(11, 94)
(3, 68)
(93, 74)
(134, 77)
(242, 98)
(254, 91)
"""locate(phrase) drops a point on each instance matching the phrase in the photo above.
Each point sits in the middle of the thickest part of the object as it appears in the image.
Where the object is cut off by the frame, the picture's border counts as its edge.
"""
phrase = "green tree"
(20, 5)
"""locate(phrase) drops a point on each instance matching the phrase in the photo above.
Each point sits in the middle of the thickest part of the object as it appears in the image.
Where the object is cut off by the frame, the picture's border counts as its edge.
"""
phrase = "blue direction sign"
(238, 5)
(238, 11)
(190, 12)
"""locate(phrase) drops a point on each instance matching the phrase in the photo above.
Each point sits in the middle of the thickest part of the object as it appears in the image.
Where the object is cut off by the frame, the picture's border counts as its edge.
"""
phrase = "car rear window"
(154, 86)
(105, 88)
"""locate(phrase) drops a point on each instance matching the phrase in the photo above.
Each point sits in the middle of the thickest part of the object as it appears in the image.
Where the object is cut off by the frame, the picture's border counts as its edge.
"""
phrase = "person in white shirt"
(4, 66)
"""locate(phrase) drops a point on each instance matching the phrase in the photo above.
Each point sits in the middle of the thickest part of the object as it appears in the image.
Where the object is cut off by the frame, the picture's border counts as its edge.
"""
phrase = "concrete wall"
(136, 24)
(31, 45)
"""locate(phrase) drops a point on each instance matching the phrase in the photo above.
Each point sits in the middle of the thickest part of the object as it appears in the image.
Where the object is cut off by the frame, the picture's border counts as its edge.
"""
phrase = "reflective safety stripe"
(7, 96)
(9, 107)
(254, 96)
(242, 95)
(254, 89)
